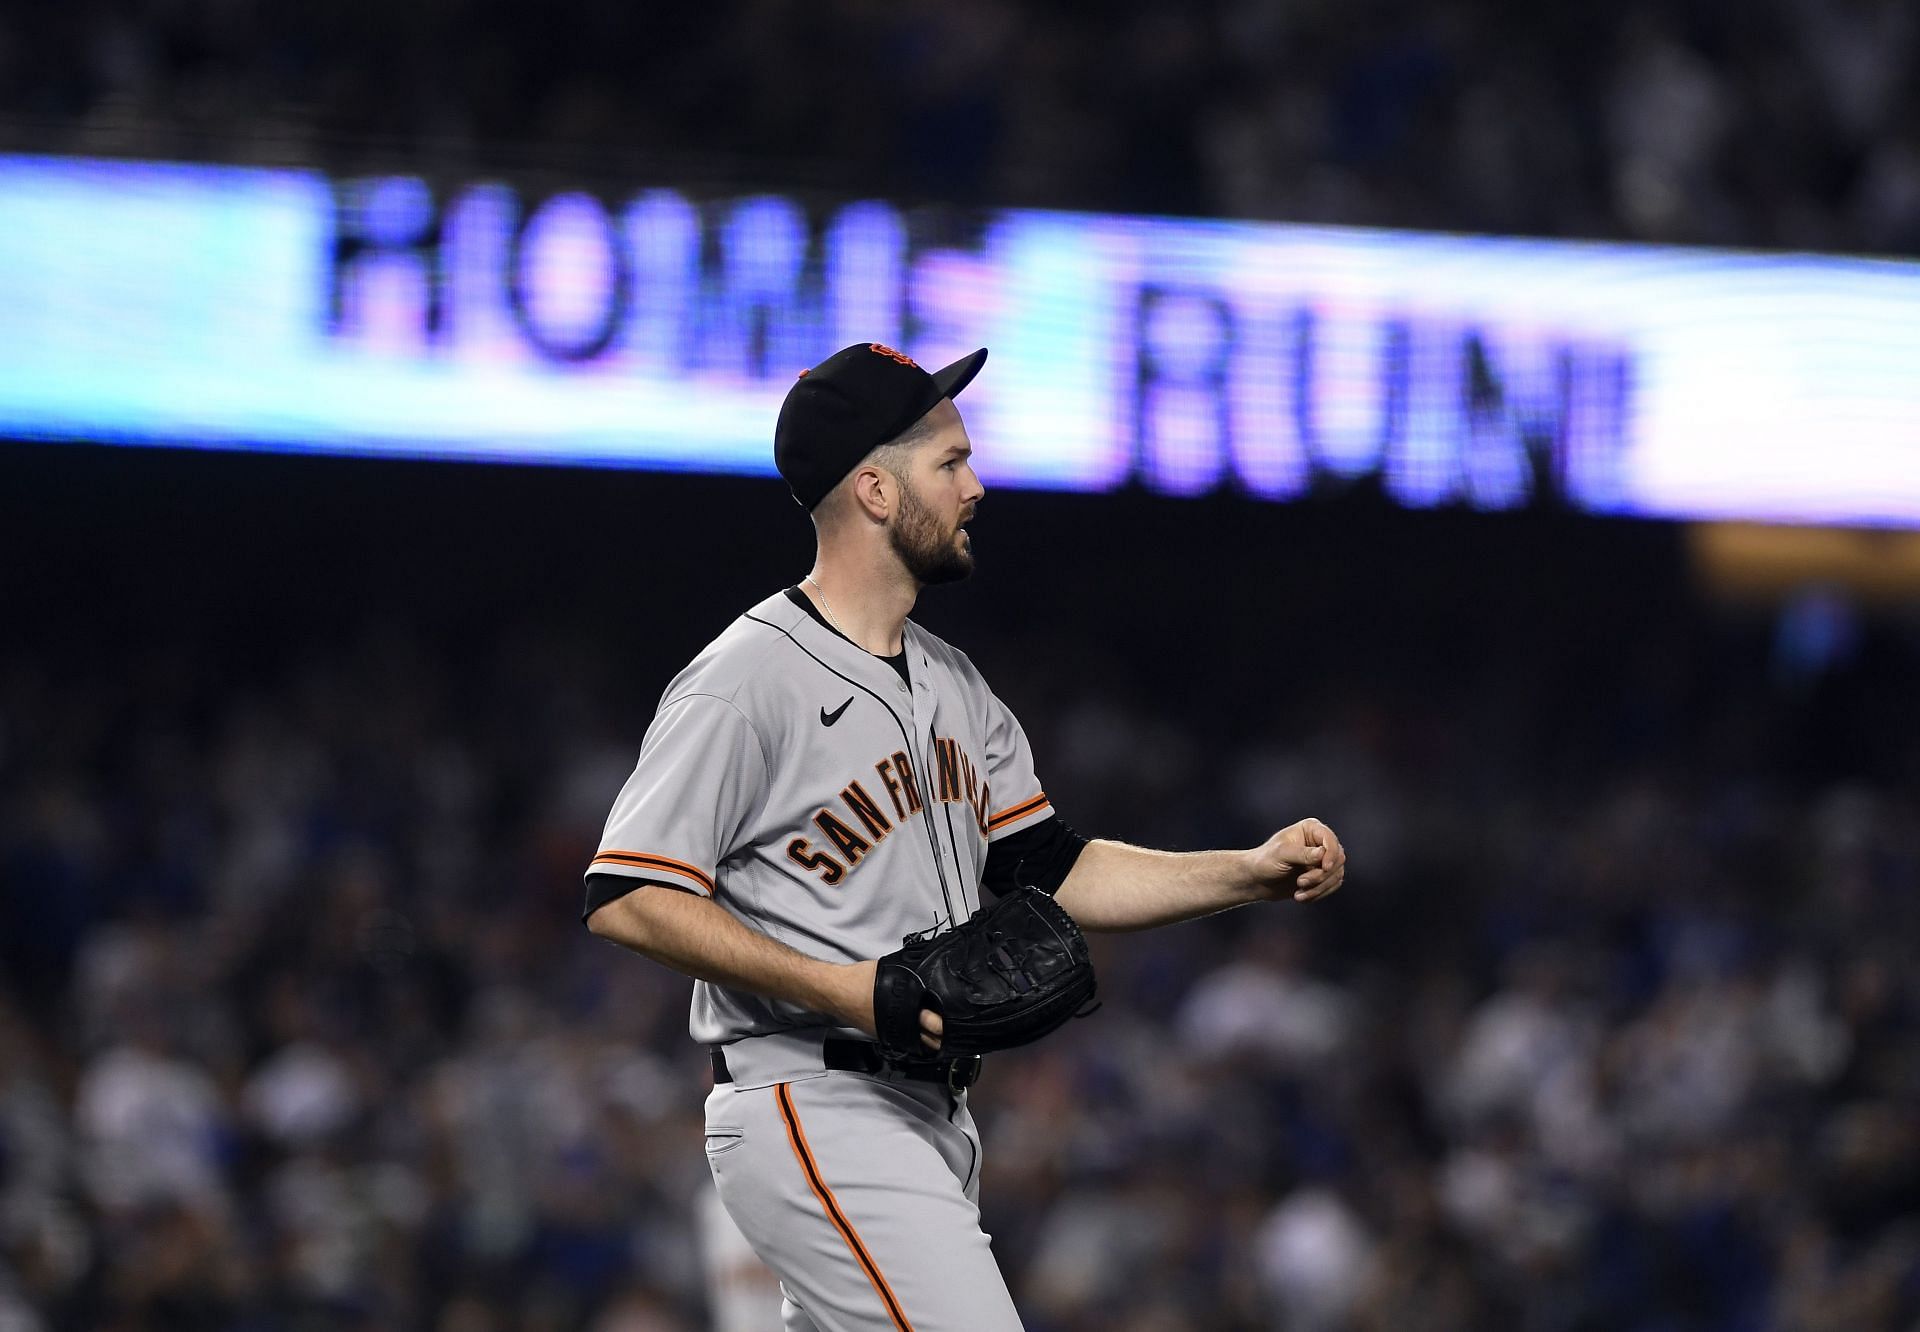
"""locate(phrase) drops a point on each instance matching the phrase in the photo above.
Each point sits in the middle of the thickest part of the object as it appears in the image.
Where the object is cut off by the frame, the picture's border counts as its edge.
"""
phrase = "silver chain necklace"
(826, 606)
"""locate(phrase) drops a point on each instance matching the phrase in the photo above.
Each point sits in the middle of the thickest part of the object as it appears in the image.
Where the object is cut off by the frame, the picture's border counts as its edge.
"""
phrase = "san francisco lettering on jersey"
(857, 819)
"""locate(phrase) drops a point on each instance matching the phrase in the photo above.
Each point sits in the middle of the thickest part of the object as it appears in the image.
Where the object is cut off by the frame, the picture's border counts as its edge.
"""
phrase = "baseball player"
(825, 778)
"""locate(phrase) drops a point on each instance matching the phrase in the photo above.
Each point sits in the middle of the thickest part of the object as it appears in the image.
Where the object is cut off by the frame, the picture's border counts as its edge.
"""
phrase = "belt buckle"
(962, 1073)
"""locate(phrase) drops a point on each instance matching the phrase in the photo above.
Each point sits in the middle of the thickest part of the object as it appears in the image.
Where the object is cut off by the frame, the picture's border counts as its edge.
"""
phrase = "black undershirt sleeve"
(1038, 857)
(605, 888)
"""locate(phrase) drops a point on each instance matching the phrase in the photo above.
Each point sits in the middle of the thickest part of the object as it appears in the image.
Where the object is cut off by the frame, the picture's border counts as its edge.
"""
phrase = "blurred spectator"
(152, 1127)
(1262, 1008)
(1315, 1259)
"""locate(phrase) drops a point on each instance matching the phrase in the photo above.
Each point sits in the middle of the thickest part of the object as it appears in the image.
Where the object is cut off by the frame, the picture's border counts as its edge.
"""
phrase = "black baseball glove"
(1013, 973)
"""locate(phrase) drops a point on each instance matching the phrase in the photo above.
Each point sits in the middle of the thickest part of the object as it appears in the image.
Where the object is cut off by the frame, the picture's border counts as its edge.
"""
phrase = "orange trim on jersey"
(1014, 813)
(798, 1138)
(641, 860)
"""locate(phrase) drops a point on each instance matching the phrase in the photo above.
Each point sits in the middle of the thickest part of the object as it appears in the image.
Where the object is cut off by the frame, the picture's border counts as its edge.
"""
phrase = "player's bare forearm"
(697, 938)
(1113, 886)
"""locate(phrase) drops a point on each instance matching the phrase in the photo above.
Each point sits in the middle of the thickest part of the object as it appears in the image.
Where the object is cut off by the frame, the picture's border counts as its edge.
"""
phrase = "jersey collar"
(793, 611)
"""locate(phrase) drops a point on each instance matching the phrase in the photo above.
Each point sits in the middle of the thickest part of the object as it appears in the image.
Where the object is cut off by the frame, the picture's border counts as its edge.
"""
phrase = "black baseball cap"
(849, 405)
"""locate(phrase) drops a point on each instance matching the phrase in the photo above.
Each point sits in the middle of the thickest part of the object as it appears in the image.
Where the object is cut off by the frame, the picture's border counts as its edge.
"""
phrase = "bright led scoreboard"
(286, 310)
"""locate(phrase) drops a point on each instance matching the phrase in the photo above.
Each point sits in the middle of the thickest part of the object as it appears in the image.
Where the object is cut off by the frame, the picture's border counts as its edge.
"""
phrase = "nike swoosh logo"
(829, 718)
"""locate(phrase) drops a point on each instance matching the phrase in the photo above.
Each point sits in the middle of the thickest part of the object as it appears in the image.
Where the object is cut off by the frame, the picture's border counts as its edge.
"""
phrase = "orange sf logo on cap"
(887, 351)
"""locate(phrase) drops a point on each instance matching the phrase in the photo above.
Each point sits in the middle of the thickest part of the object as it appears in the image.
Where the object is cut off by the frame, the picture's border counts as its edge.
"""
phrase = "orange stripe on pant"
(797, 1136)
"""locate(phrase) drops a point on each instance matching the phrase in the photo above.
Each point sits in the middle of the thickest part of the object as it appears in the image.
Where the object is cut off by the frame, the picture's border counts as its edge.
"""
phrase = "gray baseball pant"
(861, 1191)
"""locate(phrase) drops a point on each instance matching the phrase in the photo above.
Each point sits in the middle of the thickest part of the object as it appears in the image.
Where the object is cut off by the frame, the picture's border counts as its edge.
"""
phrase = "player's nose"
(975, 491)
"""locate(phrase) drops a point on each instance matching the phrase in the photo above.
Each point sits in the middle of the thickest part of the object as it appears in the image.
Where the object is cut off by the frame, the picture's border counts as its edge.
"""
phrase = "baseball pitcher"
(837, 830)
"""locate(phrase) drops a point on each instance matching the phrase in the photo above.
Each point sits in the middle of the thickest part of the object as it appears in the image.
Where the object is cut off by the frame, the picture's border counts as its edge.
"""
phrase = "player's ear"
(872, 493)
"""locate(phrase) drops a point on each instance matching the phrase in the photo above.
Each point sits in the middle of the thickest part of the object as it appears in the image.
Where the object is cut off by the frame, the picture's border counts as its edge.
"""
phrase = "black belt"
(846, 1056)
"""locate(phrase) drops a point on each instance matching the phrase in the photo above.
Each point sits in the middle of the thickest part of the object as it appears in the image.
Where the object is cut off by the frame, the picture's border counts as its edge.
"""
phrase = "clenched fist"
(1304, 859)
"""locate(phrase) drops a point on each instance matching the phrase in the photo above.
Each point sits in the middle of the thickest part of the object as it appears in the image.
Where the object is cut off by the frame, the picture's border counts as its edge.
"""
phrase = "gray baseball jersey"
(800, 783)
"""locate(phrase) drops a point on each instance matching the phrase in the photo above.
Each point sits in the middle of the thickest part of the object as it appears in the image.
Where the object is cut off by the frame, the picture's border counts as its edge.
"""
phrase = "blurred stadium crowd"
(1616, 1026)
(1791, 123)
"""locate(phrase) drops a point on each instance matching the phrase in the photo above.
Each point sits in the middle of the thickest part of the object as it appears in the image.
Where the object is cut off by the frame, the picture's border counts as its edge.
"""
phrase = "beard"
(931, 553)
